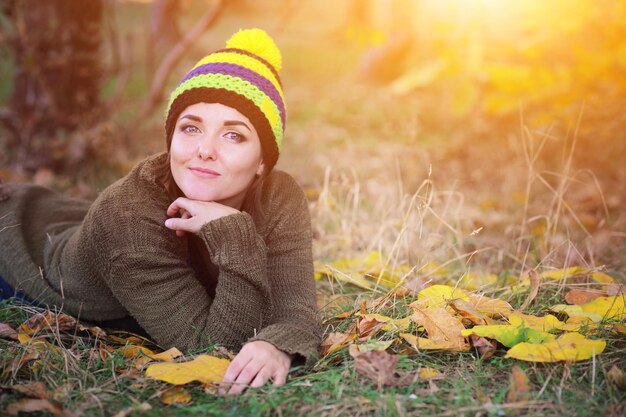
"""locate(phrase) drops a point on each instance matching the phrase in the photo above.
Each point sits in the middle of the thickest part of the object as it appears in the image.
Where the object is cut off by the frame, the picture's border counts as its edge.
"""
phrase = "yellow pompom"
(258, 42)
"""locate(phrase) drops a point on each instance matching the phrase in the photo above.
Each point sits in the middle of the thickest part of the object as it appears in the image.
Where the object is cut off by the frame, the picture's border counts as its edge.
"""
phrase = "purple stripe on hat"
(245, 74)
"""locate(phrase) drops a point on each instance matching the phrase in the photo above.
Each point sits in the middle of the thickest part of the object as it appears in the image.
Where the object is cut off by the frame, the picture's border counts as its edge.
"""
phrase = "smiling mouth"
(204, 173)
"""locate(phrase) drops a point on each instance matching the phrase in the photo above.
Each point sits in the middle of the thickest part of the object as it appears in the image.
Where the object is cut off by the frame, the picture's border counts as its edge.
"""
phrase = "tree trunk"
(56, 89)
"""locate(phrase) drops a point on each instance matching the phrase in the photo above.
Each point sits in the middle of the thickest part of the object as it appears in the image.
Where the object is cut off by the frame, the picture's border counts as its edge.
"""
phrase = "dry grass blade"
(535, 280)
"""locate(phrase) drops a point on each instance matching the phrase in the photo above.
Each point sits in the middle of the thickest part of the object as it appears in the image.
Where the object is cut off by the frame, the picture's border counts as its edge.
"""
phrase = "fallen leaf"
(429, 373)
(175, 395)
(48, 320)
(535, 280)
(602, 308)
(559, 274)
(7, 331)
(388, 324)
(616, 377)
(32, 390)
(134, 351)
(582, 296)
(369, 324)
(491, 307)
(602, 278)
(30, 405)
(509, 335)
(204, 368)
(619, 328)
(467, 311)
(438, 296)
(444, 330)
(477, 280)
(544, 323)
(94, 330)
(485, 347)
(519, 386)
(355, 350)
(335, 341)
(167, 356)
(568, 347)
(379, 366)
(575, 311)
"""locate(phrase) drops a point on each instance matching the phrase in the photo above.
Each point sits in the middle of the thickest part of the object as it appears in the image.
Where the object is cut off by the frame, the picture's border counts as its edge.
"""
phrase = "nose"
(207, 149)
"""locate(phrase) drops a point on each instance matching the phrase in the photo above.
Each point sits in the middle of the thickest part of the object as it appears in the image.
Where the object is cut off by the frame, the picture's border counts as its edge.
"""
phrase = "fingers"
(280, 377)
(178, 204)
(180, 224)
(259, 379)
(245, 377)
(186, 215)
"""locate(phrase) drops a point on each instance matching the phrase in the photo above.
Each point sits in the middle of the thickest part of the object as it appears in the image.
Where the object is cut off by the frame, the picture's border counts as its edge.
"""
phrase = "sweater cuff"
(301, 345)
(232, 234)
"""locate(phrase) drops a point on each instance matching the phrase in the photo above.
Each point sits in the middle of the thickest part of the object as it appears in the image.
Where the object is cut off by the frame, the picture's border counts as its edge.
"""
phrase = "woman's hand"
(254, 365)
(194, 214)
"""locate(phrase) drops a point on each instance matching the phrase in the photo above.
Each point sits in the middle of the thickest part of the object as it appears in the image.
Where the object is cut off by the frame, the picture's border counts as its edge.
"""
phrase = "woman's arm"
(296, 326)
(158, 287)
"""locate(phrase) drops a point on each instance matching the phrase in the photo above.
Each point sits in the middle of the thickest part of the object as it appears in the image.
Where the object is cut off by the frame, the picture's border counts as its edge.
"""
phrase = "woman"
(203, 243)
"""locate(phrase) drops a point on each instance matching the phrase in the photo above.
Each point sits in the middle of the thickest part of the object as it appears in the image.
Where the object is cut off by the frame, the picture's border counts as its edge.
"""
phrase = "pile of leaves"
(440, 316)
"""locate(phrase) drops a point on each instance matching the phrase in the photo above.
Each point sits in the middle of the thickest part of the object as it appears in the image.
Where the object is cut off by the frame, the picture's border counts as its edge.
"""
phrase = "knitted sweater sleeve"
(296, 326)
(162, 293)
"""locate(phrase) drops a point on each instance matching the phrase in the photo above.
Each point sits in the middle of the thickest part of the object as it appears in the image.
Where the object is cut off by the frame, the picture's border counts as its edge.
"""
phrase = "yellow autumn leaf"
(468, 312)
(367, 273)
(491, 307)
(575, 311)
(544, 324)
(568, 347)
(428, 373)
(175, 395)
(391, 324)
(578, 323)
(438, 296)
(444, 330)
(134, 351)
(509, 335)
(354, 350)
(477, 280)
(558, 274)
(602, 308)
(335, 341)
(204, 368)
(167, 356)
(602, 278)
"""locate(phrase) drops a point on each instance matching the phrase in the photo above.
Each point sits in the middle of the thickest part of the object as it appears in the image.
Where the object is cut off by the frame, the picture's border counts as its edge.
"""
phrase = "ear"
(261, 168)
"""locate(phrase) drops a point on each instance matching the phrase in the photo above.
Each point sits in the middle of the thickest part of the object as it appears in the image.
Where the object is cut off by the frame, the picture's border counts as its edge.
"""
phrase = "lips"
(204, 172)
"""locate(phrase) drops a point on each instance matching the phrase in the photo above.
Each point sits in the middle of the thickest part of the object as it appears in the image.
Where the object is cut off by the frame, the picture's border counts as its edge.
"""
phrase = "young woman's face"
(215, 154)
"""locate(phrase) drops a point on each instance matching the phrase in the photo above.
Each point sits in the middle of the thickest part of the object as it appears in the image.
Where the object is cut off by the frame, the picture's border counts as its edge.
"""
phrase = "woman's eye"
(189, 129)
(234, 136)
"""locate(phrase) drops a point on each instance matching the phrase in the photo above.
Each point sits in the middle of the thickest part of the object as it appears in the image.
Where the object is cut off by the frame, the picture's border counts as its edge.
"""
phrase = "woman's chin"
(194, 193)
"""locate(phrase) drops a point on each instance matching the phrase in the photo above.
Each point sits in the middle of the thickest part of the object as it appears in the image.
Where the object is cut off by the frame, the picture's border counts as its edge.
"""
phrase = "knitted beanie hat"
(243, 76)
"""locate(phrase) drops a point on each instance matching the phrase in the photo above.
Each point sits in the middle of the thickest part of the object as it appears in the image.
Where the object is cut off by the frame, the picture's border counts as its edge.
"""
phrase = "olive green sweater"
(249, 277)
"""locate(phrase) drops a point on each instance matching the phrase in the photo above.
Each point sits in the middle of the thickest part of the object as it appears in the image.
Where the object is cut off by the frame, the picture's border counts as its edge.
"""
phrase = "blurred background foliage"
(496, 100)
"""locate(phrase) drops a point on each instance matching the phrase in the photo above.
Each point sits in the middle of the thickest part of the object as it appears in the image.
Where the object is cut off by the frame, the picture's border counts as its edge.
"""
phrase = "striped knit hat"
(243, 76)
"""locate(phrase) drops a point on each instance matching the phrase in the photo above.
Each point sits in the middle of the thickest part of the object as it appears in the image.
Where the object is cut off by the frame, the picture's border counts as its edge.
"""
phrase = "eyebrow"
(192, 117)
(226, 122)
(236, 123)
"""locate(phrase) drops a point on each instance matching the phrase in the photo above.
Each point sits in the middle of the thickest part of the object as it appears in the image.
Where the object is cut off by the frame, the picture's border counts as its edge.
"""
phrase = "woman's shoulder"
(140, 185)
(281, 191)
(135, 202)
